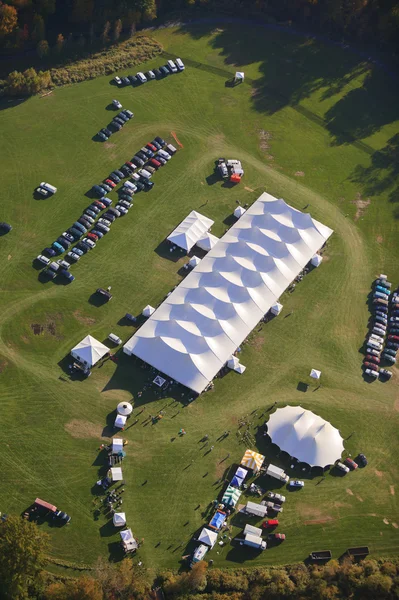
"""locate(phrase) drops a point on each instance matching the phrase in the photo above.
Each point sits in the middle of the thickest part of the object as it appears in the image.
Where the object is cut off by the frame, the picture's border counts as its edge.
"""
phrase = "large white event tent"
(187, 234)
(193, 333)
(305, 436)
(89, 351)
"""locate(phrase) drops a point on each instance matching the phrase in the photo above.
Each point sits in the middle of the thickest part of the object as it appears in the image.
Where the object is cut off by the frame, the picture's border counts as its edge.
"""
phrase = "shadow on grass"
(230, 220)
(164, 251)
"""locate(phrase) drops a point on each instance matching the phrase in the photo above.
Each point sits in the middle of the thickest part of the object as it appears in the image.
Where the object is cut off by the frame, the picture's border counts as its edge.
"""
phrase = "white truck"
(277, 473)
(254, 541)
(44, 189)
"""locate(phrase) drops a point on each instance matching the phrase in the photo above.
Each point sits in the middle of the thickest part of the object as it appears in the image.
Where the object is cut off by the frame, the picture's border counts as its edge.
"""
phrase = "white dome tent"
(239, 76)
(120, 421)
(148, 311)
(124, 408)
(239, 211)
(305, 436)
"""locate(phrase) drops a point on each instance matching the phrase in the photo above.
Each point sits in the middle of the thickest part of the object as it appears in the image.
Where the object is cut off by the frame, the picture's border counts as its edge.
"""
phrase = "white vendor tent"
(316, 260)
(124, 408)
(117, 445)
(194, 261)
(233, 362)
(207, 241)
(119, 519)
(276, 308)
(128, 542)
(252, 530)
(239, 76)
(305, 436)
(315, 374)
(116, 474)
(197, 328)
(120, 421)
(187, 234)
(89, 351)
(148, 310)
(208, 537)
(239, 211)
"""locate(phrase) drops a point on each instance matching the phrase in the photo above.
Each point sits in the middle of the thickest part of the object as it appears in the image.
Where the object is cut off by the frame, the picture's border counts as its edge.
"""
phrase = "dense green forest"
(57, 25)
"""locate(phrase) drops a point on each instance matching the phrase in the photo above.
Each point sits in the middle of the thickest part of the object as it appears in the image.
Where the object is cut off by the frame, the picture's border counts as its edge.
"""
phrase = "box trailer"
(320, 555)
(256, 510)
(254, 541)
(252, 530)
(277, 473)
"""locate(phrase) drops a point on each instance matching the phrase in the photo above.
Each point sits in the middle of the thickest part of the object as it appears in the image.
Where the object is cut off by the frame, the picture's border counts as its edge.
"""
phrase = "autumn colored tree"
(42, 48)
(8, 19)
(197, 576)
(59, 44)
(105, 32)
(84, 588)
(116, 34)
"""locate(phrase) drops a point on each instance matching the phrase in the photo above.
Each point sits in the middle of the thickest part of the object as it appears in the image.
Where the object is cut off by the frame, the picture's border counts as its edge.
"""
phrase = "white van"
(180, 64)
(145, 173)
(130, 186)
(172, 66)
(164, 154)
(114, 338)
(141, 77)
(45, 189)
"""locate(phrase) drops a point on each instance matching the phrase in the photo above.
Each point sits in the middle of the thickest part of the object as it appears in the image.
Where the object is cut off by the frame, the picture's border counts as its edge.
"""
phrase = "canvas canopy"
(231, 496)
(239, 76)
(276, 308)
(89, 351)
(120, 421)
(117, 445)
(208, 537)
(207, 241)
(239, 211)
(124, 408)
(116, 474)
(316, 260)
(148, 311)
(252, 460)
(240, 369)
(241, 473)
(194, 261)
(306, 436)
(128, 541)
(217, 520)
(315, 374)
(197, 328)
(187, 234)
(119, 519)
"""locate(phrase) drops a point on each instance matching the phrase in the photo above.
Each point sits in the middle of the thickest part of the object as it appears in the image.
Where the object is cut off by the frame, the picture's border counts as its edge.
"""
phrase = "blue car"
(98, 190)
(79, 226)
(80, 247)
(58, 248)
(49, 251)
(75, 232)
(77, 251)
(67, 275)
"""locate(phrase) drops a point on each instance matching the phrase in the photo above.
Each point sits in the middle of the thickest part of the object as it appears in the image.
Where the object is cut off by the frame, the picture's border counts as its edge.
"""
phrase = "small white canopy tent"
(194, 262)
(239, 211)
(89, 351)
(117, 445)
(234, 363)
(207, 242)
(208, 537)
(120, 421)
(116, 474)
(240, 369)
(187, 234)
(148, 311)
(119, 519)
(315, 374)
(124, 408)
(276, 308)
(316, 260)
(306, 436)
(128, 541)
(239, 76)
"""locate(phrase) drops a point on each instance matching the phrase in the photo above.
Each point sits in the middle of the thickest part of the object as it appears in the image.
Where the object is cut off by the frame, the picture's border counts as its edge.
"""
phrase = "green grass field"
(330, 134)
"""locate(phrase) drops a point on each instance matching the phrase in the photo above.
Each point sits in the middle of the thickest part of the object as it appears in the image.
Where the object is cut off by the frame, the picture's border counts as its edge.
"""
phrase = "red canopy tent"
(235, 178)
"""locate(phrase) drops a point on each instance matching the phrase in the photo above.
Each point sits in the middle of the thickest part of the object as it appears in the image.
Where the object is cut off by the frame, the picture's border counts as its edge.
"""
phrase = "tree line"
(23, 559)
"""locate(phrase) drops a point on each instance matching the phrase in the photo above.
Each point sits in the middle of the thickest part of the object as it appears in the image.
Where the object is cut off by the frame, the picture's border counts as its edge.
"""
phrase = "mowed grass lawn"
(291, 128)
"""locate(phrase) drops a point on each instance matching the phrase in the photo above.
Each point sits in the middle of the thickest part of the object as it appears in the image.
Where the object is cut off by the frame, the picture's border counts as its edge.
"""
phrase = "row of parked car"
(116, 124)
(140, 78)
(375, 351)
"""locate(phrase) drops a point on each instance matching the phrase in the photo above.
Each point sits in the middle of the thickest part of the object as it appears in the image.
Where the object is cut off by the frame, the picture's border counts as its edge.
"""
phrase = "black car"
(106, 132)
(5, 227)
(116, 125)
(105, 294)
(160, 141)
(125, 81)
(64, 242)
(161, 160)
(156, 144)
(157, 73)
(361, 460)
(81, 246)
(103, 228)
(133, 79)
(49, 252)
(119, 121)
(75, 232)
(85, 223)
(142, 155)
(392, 346)
(137, 161)
(122, 116)
(127, 172)
(125, 197)
(119, 173)
(381, 308)
(94, 208)
(164, 71)
(139, 186)
(98, 190)
(114, 178)
(109, 217)
(385, 374)
(99, 234)
(106, 187)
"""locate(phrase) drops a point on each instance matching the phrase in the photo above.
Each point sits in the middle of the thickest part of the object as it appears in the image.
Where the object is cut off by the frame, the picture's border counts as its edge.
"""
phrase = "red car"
(373, 359)
(99, 204)
(110, 183)
(155, 163)
(369, 365)
(350, 463)
(151, 147)
(270, 523)
(92, 236)
(393, 338)
(130, 165)
(276, 536)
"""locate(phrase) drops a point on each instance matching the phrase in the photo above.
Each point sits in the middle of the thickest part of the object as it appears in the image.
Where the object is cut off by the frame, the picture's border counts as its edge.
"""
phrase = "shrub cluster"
(27, 83)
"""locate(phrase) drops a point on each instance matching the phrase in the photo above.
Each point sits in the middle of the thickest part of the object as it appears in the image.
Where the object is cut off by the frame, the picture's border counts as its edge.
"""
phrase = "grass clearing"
(53, 427)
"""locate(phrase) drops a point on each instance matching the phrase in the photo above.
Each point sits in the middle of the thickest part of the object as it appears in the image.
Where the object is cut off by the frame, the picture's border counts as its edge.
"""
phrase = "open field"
(292, 129)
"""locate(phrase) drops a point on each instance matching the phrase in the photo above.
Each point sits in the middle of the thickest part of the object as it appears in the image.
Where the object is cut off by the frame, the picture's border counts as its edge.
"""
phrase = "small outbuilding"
(128, 542)
(315, 374)
(117, 445)
(120, 421)
(89, 351)
(116, 474)
(208, 537)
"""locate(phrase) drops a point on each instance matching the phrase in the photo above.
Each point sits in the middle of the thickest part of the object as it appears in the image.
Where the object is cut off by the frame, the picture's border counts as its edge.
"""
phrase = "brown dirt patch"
(348, 491)
(108, 145)
(380, 239)
(361, 206)
(395, 525)
(396, 404)
(359, 498)
(82, 319)
(265, 138)
(50, 326)
(83, 429)
(318, 517)
(25, 339)
(269, 156)
(318, 521)
(385, 521)
(299, 174)
(249, 189)
(9, 257)
(392, 490)
(378, 473)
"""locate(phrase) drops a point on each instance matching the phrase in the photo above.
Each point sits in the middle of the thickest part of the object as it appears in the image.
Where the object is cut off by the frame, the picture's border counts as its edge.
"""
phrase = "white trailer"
(257, 510)
(254, 541)
(277, 473)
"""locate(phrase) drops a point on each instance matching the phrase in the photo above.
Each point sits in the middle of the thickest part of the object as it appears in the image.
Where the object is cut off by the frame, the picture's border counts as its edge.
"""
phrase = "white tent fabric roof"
(315, 374)
(116, 474)
(239, 211)
(120, 421)
(201, 323)
(124, 408)
(306, 436)
(208, 537)
(233, 362)
(316, 260)
(148, 311)
(119, 519)
(207, 241)
(117, 445)
(240, 75)
(89, 350)
(194, 261)
(187, 234)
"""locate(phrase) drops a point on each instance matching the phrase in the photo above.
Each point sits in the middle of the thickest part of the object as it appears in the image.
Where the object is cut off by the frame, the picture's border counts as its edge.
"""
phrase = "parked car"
(162, 153)
(125, 81)
(133, 79)
(49, 273)
(118, 80)
(114, 178)
(151, 147)
(106, 187)
(89, 243)
(142, 155)
(373, 351)
(160, 141)
(58, 248)
(99, 234)
(180, 64)
(106, 201)
(172, 66)
(68, 236)
(67, 275)
(49, 251)
(77, 251)
(296, 483)
(102, 227)
(43, 259)
(279, 537)
(119, 174)
(122, 210)
(64, 243)
(102, 136)
(138, 161)
(128, 113)
(97, 190)
(385, 374)
(73, 255)
(150, 75)
(80, 247)
(119, 121)
(155, 163)
(104, 293)
(94, 208)
(393, 338)
(157, 73)
(123, 117)
(392, 346)
(276, 497)
(92, 236)
(114, 211)
(124, 203)
(109, 217)
(106, 132)
(54, 266)
(141, 77)
(140, 186)
(371, 373)
(116, 125)
(78, 225)
(91, 213)
(85, 222)
(150, 168)
(349, 462)
(114, 338)
(116, 104)
(63, 263)
(111, 183)
(162, 160)
(270, 523)
(104, 222)
(390, 352)
(342, 467)
(373, 359)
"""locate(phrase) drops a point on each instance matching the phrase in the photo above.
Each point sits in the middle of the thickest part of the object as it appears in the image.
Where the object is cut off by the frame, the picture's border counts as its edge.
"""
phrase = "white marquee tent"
(187, 234)
(207, 241)
(89, 351)
(193, 333)
(305, 436)
(316, 260)
(116, 474)
(119, 519)
(120, 421)
(239, 76)
(208, 537)
(117, 445)
(239, 211)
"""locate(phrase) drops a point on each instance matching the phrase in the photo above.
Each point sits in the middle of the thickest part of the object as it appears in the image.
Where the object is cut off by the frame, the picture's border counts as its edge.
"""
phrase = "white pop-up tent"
(194, 262)
(116, 474)
(305, 436)
(207, 241)
(316, 260)
(120, 421)
(124, 408)
(148, 311)
(128, 542)
(89, 351)
(239, 211)
(119, 519)
(239, 76)
(208, 537)
(276, 308)
(234, 363)
(315, 374)
(117, 445)
(187, 234)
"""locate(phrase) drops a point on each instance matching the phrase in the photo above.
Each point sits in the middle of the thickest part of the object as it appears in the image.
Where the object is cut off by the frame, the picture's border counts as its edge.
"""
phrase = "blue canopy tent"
(236, 481)
(217, 520)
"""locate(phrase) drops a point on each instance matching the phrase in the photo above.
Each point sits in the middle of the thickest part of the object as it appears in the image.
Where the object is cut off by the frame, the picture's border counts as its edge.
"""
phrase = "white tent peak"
(208, 537)
(89, 351)
(239, 211)
(194, 261)
(148, 311)
(239, 76)
(124, 408)
(233, 362)
(190, 230)
(207, 241)
(316, 260)
(315, 374)
(119, 519)
(276, 308)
